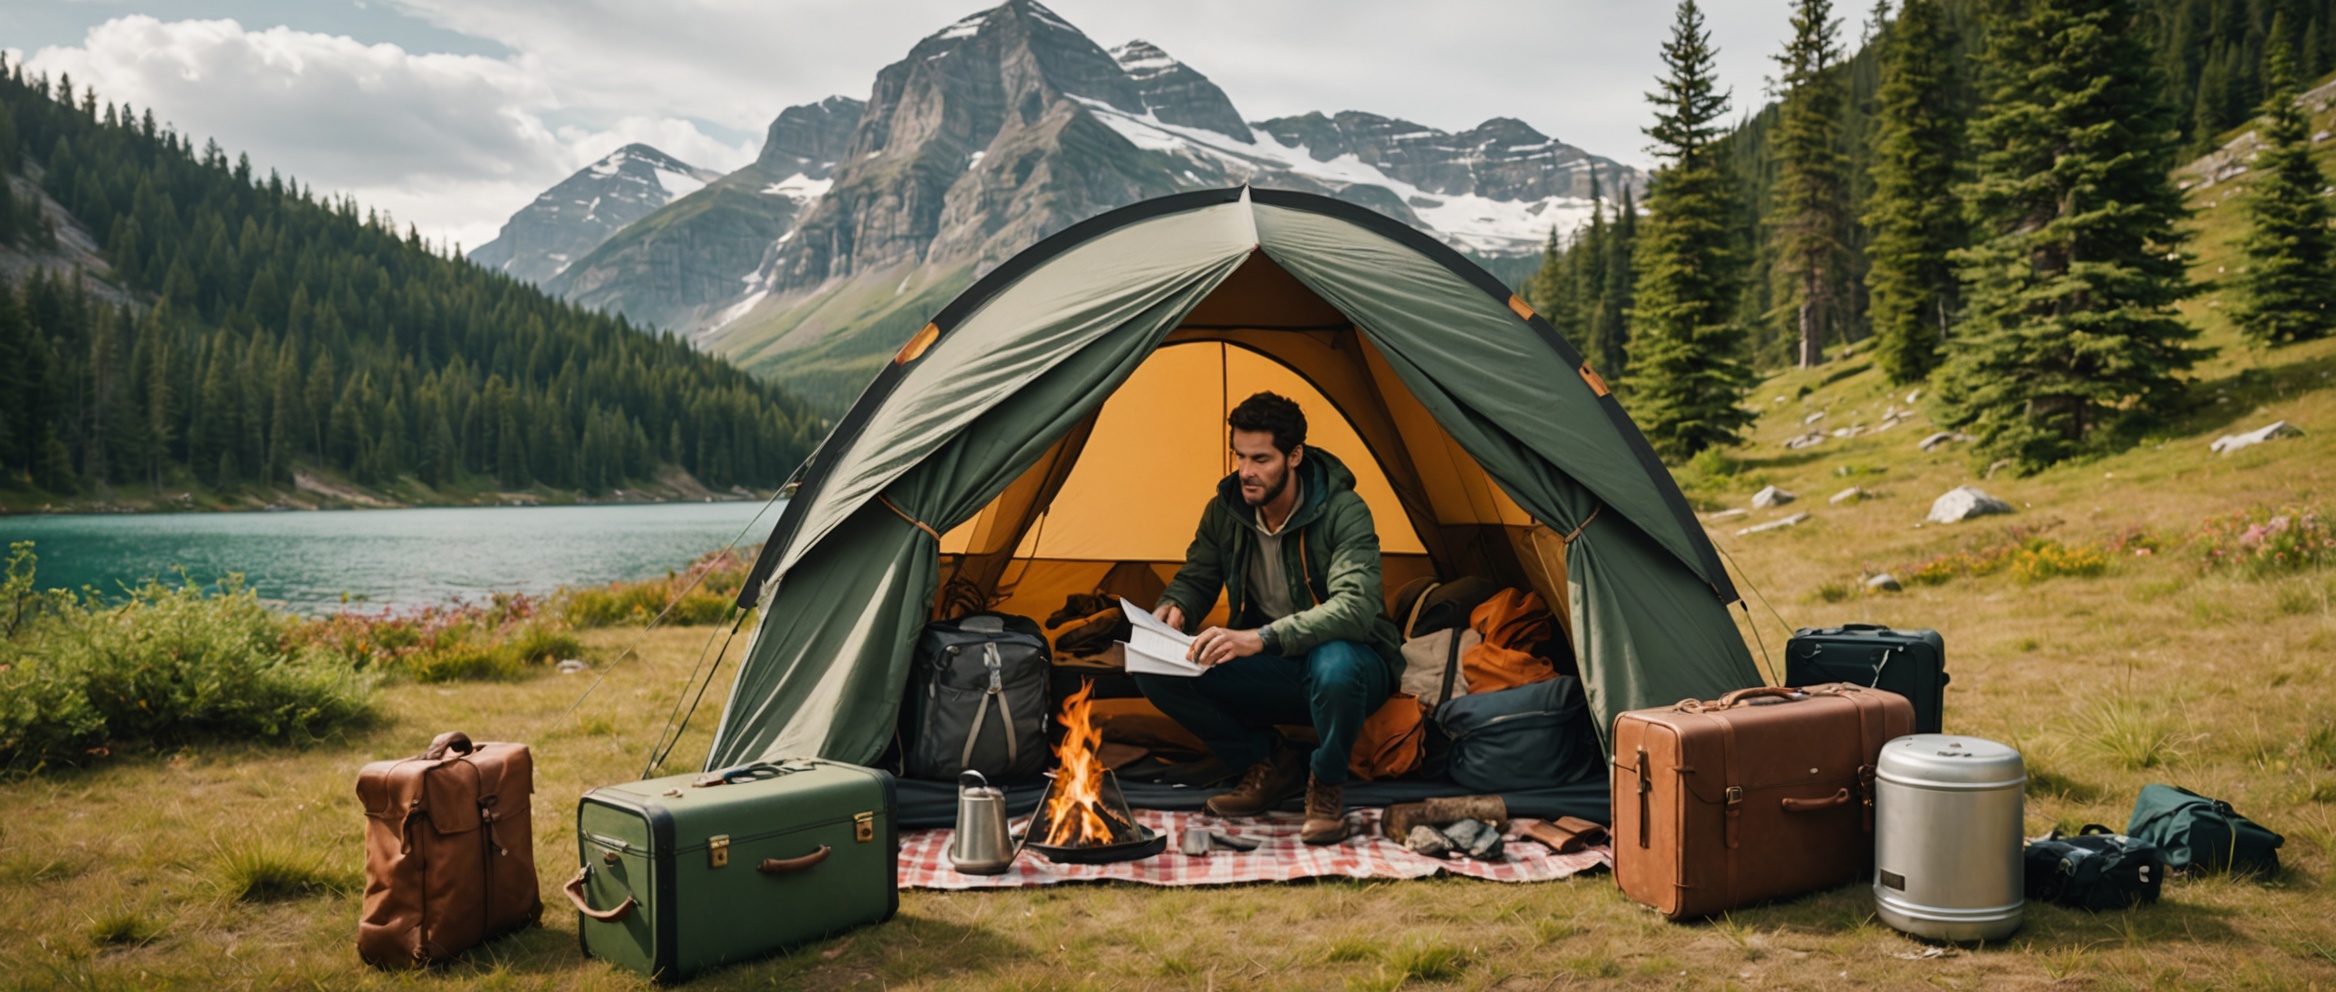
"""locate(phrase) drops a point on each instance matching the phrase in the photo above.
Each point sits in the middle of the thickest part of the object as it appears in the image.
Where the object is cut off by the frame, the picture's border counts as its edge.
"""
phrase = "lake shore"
(326, 491)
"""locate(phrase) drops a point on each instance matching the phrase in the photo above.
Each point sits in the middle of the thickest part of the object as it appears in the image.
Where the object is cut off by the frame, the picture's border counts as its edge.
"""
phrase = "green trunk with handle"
(689, 872)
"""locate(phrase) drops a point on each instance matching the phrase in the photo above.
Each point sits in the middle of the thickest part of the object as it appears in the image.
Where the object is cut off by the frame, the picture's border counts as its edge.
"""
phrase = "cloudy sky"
(451, 114)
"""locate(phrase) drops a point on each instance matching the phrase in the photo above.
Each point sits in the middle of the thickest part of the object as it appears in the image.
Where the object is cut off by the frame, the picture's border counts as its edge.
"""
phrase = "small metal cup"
(981, 845)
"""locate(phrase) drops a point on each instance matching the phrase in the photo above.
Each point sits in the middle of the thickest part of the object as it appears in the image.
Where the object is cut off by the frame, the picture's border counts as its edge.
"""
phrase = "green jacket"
(1332, 543)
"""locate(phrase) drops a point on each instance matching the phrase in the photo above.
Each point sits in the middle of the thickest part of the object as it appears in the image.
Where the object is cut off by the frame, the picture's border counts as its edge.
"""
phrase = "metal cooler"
(1947, 836)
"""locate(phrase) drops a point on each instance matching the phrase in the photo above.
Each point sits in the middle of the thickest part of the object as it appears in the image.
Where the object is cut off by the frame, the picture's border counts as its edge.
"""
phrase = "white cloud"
(450, 143)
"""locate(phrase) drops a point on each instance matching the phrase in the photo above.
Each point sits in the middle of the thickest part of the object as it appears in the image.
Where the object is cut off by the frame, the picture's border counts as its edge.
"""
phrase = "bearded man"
(1292, 545)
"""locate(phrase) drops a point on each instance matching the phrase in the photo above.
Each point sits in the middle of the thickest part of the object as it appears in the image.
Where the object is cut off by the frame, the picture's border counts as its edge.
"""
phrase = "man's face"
(1265, 471)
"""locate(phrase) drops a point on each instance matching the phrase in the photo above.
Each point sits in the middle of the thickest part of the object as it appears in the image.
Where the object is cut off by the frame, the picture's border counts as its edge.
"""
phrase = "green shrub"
(707, 588)
(509, 637)
(172, 664)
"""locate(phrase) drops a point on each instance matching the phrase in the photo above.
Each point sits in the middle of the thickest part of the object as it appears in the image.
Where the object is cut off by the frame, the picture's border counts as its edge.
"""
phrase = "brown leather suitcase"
(449, 851)
(1761, 794)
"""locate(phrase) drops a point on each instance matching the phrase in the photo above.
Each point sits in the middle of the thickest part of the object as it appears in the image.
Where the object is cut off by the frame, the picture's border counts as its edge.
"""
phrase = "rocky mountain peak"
(810, 139)
(1176, 93)
(583, 210)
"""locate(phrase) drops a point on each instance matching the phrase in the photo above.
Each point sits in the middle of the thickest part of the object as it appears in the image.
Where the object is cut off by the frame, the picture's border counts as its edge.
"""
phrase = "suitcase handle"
(1840, 797)
(779, 866)
(1735, 699)
(575, 891)
(452, 740)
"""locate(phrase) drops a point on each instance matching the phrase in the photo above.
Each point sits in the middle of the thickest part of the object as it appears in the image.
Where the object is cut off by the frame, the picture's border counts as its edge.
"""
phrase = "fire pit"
(1084, 819)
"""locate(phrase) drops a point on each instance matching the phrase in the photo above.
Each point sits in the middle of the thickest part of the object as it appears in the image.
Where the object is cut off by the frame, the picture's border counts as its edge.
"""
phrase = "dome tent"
(1065, 417)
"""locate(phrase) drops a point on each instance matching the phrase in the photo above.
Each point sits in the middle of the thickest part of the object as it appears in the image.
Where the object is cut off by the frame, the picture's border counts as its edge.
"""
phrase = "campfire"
(1084, 819)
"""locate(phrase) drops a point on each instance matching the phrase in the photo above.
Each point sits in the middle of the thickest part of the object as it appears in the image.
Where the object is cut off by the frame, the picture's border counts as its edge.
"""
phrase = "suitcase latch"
(718, 851)
(864, 826)
(1735, 794)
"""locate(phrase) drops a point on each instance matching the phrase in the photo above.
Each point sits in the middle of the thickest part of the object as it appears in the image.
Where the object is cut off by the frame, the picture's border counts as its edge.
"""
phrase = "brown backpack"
(449, 855)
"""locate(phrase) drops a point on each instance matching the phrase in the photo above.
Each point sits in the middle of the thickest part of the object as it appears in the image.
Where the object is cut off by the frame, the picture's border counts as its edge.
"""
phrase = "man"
(1293, 547)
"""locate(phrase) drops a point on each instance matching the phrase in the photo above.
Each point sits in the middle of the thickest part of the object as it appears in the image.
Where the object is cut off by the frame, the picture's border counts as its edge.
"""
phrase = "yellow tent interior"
(1113, 504)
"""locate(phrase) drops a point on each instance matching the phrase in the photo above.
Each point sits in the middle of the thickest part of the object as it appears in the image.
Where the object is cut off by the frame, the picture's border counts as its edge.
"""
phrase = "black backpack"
(977, 700)
(2094, 870)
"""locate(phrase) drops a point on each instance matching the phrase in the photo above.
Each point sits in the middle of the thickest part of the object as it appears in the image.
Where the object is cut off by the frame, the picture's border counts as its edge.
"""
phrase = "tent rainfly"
(1064, 418)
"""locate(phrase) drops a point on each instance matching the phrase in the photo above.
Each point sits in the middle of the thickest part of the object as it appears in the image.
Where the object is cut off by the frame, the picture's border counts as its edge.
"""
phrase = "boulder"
(1814, 417)
(2277, 429)
(1730, 513)
(1883, 582)
(1852, 430)
(1792, 521)
(1809, 440)
(1771, 497)
(1964, 502)
(1849, 495)
(1944, 437)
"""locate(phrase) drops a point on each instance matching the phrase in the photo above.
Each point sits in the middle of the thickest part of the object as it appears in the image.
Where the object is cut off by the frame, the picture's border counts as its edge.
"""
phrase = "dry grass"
(129, 877)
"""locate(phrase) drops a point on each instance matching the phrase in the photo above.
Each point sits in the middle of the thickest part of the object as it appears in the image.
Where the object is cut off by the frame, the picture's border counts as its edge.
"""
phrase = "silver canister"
(981, 844)
(1947, 836)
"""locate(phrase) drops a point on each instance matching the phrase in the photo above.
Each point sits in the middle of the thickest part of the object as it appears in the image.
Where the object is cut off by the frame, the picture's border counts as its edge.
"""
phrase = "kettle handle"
(971, 779)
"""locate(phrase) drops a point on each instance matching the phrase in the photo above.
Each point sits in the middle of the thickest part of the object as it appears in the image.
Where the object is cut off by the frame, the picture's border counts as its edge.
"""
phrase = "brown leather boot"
(1264, 786)
(1325, 814)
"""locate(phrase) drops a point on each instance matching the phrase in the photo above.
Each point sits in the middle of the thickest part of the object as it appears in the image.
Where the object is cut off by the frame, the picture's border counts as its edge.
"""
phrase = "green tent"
(1059, 426)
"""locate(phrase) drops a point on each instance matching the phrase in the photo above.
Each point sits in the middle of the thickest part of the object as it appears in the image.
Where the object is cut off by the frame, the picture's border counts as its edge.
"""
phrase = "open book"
(1154, 648)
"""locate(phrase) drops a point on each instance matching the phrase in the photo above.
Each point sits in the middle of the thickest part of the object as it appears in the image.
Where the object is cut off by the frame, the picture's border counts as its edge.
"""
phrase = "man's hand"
(1170, 614)
(1217, 645)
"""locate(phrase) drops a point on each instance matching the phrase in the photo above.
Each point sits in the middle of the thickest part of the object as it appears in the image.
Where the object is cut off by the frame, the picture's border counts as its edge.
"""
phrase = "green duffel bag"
(2194, 831)
(689, 872)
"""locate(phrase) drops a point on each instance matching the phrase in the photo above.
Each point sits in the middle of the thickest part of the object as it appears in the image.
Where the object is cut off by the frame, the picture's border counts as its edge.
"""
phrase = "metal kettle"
(982, 844)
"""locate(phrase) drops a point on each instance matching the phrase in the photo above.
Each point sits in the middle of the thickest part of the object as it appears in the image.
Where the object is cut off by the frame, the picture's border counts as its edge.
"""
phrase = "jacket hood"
(1320, 473)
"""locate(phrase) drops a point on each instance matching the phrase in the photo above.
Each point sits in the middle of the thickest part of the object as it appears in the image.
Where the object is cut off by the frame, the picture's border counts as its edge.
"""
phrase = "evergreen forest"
(234, 329)
(1977, 192)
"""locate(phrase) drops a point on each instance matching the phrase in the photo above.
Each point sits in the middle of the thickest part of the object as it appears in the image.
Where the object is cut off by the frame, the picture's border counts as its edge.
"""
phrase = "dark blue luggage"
(1911, 663)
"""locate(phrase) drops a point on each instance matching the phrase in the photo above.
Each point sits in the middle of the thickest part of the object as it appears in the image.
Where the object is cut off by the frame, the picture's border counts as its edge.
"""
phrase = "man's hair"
(1271, 412)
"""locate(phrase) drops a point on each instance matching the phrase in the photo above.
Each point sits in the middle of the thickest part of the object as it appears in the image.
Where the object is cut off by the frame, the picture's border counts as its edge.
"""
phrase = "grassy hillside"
(2134, 668)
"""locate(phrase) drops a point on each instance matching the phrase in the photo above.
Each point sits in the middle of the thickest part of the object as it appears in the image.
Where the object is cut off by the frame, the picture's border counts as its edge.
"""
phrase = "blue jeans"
(1234, 706)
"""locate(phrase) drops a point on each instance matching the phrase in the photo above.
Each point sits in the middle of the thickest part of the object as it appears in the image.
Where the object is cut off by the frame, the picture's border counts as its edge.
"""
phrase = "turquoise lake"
(321, 561)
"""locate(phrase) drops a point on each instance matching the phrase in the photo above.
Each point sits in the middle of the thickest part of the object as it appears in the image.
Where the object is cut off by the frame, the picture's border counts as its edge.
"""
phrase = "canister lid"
(1949, 760)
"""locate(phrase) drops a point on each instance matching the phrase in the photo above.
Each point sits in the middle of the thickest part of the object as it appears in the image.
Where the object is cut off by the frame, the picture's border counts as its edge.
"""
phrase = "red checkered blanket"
(924, 858)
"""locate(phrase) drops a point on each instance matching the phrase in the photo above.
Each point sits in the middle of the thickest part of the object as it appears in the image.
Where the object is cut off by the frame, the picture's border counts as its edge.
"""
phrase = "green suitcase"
(689, 872)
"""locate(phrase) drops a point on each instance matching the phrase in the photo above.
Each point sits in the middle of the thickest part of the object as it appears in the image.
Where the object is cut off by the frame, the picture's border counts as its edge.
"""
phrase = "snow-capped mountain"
(861, 219)
(585, 209)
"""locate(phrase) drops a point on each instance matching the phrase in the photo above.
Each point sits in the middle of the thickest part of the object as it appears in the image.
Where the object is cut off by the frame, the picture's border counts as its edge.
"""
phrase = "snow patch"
(678, 184)
(966, 28)
(799, 187)
(974, 160)
(1469, 221)
(736, 310)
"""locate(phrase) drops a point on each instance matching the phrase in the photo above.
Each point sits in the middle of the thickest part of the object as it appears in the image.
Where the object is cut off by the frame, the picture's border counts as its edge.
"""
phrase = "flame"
(1075, 812)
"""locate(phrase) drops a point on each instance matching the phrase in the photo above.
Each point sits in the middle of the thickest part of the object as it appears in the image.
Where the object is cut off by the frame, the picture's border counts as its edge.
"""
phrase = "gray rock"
(1849, 495)
(1730, 513)
(1884, 582)
(1771, 497)
(1945, 437)
(1792, 521)
(2277, 429)
(1809, 440)
(1814, 417)
(570, 666)
(1852, 430)
(1963, 503)
(1915, 395)
(1428, 840)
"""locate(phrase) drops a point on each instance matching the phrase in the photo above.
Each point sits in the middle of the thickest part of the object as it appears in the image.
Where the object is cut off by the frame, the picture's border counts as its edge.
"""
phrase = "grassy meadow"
(2089, 629)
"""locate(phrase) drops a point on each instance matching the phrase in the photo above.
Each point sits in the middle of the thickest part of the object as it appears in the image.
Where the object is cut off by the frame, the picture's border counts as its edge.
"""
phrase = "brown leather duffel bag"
(449, 851)
(1761, 794)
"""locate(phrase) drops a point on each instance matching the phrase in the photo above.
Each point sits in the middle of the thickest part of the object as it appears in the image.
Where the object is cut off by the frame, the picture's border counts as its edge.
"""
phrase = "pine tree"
(2286, 290)
(1611, 327)
(1809, 208)
(1687, 369)
(1916, 220)
(2071, 338)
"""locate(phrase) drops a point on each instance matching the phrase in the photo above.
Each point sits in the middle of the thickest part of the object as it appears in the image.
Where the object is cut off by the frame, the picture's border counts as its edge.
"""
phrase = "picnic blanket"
(924, 858)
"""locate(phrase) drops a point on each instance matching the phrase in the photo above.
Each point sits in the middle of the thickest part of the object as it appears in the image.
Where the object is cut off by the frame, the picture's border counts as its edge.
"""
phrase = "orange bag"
(1512, 622)
(1392, 739)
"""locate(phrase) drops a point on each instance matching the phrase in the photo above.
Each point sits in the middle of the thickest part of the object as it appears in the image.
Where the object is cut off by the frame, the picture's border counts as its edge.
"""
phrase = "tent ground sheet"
(1281, 857)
